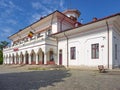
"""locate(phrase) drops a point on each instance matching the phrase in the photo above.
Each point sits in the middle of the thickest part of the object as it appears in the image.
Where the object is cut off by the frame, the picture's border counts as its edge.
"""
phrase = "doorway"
(60, 57)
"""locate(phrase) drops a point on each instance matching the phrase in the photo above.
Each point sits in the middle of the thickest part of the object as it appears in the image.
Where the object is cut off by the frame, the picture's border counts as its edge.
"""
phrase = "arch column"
(23, 57)
(5, 59)
(24, 61)
(10, 60)
(36, 58)
(45, 58)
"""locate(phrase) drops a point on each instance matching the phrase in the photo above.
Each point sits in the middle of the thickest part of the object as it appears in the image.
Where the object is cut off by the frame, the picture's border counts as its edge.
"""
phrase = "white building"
(59, 39)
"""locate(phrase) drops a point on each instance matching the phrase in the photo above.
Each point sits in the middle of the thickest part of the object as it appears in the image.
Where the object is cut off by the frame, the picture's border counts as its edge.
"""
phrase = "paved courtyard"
(20, 78)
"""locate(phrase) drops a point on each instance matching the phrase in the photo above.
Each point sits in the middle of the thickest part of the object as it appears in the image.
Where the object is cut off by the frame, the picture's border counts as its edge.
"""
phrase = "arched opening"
(13, 59)
(40, 56)
(33, 58)
(51, 57)
(10, 59)
(17, 58)
(26, 57)
(21, 58)
(60, 57)
(6, 60)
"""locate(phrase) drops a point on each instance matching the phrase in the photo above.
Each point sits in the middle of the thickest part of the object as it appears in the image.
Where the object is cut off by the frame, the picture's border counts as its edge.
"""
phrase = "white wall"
(116, 41)
(64, 25)
(82, 42)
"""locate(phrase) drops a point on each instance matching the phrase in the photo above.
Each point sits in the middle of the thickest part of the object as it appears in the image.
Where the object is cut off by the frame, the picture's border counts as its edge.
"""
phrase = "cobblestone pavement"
(20, 78)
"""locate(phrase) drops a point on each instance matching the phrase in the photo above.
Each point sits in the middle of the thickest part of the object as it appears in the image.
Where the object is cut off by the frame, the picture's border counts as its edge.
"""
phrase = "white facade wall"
(63, 25)
(82, 42)
(107, 35)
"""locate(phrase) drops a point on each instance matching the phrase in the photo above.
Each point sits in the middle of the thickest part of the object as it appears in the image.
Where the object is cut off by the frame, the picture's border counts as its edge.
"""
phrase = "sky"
(17, 14)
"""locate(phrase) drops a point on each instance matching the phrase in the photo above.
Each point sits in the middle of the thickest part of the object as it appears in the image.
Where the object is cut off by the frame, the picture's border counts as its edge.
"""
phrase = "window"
(73, 53)
(25, 39)
(38, 35)
(51, 56)
(49, 32)
(116, 51)
(95, 51)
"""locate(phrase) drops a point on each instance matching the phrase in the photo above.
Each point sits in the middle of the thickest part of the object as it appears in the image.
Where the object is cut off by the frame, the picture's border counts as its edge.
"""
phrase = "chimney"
(94, 19)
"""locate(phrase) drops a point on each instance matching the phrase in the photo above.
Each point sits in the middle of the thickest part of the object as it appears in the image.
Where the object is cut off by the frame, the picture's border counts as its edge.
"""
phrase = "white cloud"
(35, 17)
(9, 5)
(62, 5)
(13, 6)
(12, 21)
(36, 5)
(46, 7)
(6, 31)
(2, 4)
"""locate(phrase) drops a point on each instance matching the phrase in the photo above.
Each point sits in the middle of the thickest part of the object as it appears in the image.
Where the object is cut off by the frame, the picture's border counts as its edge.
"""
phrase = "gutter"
(108, 30)
(67, 49)
(66, 39)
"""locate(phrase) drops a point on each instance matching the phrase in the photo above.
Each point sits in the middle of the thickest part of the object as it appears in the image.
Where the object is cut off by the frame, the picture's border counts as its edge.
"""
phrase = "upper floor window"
(73, 52)
(95, 51)
(25, 39)
(49, 32)
(38, 35)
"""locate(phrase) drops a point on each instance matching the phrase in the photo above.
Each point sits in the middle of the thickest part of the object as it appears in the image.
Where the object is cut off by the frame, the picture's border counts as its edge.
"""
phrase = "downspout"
(67, 50)
(57, 49)
(108, 29)
(66, 39)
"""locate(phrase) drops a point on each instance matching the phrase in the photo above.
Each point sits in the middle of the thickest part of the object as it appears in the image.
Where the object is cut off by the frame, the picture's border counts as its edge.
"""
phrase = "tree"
(1, 57)
(2, 45)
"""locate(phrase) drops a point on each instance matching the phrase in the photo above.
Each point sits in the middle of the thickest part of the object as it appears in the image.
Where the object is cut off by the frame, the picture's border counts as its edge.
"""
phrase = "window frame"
(116, 51)
(73, 53)
(95, 51)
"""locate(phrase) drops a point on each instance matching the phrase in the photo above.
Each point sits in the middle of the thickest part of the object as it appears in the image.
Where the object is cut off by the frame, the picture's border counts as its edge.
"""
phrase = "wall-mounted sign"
(102, 46)
(15, 49)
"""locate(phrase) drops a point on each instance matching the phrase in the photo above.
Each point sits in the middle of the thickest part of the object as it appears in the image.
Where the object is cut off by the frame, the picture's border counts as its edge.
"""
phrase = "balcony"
(24, 43)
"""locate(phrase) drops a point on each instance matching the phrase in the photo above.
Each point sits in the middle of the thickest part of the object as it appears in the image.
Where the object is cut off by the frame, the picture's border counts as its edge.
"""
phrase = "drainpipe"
(67, 50)
(108, 29)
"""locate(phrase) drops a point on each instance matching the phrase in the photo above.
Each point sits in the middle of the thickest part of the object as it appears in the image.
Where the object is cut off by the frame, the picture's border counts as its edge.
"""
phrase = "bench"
(101, 68)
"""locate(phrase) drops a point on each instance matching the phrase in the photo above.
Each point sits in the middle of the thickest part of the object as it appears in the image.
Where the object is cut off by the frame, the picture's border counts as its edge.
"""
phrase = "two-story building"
(59, 38)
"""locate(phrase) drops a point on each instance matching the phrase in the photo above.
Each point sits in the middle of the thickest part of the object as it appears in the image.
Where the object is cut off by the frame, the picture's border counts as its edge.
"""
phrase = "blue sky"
(17, 14)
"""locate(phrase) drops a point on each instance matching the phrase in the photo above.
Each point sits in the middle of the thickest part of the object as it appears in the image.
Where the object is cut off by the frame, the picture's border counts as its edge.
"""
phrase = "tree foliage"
(1, 57)
(2, 45)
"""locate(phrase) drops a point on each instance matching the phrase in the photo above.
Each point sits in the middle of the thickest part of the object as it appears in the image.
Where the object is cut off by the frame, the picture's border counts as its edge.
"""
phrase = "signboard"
(15, 49)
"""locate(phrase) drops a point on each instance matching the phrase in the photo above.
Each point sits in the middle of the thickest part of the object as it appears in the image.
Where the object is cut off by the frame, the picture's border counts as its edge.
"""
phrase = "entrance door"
(60, 57)
(42, 57)
(27, 58)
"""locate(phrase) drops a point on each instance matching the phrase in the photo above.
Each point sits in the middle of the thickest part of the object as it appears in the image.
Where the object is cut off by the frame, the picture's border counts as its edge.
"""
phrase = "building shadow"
(33, 80)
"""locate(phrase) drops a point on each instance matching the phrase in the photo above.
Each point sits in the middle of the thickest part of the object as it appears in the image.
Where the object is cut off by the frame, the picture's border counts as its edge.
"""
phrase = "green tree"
(2, 45)
(1, 57)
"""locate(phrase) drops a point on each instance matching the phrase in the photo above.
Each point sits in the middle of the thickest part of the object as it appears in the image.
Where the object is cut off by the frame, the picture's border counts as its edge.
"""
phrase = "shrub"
(1, 57)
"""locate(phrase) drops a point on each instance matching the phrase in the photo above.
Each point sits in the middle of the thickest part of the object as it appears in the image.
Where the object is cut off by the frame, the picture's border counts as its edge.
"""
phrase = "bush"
(1, 57)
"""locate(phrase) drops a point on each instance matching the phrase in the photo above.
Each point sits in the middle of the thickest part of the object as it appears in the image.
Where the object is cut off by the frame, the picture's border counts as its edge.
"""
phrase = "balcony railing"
(26, 43)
